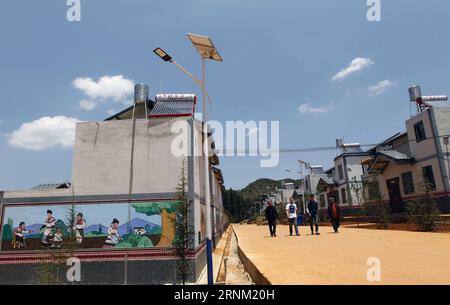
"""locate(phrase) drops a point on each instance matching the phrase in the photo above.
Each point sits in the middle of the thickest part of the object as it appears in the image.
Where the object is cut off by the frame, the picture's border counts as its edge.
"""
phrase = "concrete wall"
(431, 151)
(426, 148)
(441, 117)
(101, 161)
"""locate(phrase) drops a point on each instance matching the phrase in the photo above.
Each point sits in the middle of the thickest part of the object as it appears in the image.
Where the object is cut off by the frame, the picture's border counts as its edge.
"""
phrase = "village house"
(397, 168)
(125, 194)
(343, 181)
(403, 164)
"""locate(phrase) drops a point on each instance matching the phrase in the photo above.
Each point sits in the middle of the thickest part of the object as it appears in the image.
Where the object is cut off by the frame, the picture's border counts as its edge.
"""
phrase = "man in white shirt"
(291, 212)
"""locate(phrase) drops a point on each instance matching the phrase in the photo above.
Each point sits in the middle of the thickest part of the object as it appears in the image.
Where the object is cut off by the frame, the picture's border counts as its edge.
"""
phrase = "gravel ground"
(236, 274)
(405, 257)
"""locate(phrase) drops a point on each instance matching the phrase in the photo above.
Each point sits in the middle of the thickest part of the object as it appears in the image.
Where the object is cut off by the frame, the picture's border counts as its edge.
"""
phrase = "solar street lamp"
(207, 50)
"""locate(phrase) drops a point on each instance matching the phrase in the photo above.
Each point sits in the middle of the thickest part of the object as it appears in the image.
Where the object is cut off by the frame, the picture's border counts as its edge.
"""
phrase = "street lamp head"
(204, 46)
(162, 54)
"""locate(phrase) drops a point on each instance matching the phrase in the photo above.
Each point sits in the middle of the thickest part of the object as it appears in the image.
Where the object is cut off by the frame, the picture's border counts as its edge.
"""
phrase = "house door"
(395, 197)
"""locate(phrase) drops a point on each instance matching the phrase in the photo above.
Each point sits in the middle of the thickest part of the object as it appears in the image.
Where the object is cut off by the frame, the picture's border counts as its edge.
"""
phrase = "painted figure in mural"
(57, 239)
(19, 235)
(113, 234)
(48, 227)
(78, 227)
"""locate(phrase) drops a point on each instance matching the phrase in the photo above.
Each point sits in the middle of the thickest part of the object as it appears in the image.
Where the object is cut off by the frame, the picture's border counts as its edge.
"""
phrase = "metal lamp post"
(446, 143)
(306, 164)
(206, 49)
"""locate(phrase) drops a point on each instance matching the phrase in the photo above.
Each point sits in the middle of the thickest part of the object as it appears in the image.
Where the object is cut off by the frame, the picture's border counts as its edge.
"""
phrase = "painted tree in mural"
(167, 211)
(8, 230)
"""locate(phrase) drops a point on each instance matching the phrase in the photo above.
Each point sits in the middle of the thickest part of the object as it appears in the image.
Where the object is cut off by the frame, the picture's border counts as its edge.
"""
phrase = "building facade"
(396, 170)
(125, 185)
(404, 163)
(343, 181)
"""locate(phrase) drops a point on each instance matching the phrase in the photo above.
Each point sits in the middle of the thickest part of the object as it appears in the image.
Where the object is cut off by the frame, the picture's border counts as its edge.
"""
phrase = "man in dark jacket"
(313, 210)
(334, 212)
(271, 216)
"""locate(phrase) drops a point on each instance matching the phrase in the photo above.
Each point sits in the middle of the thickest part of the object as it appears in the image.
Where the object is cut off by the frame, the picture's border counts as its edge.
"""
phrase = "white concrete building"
(137, 189)
(402, 163)
(344, 180)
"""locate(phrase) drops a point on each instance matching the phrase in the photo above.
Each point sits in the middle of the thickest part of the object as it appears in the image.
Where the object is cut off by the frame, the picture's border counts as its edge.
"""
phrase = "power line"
(226, 152)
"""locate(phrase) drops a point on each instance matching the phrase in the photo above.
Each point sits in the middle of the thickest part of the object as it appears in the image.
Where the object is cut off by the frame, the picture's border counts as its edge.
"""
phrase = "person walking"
(334, 212)
(271, 216)
(313, 210)
(291, 212)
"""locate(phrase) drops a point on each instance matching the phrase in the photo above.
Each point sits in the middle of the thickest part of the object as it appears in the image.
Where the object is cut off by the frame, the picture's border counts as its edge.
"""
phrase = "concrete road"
(406, 257)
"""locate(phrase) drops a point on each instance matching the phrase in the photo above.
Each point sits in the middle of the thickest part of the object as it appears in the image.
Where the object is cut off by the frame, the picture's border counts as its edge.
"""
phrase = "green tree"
(357, 195)
(184, 230)
(373, 202)
(7, 231)
(423, 211)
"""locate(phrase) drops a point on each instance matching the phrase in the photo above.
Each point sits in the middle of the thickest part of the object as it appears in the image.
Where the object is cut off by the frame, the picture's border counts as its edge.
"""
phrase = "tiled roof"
(395, 155)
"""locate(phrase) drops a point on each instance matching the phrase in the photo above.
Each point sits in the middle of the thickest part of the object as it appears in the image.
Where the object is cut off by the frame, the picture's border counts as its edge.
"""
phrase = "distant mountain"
(95, 228)
(135, 223)
(264, 186)
(34, 228)
(243, 204)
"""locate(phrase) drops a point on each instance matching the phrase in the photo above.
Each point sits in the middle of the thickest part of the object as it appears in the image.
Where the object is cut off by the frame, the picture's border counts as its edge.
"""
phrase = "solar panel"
(168, 105)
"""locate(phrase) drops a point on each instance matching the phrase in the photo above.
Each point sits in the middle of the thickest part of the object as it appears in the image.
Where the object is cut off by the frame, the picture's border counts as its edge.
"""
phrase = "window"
(408, 183)
(429, 176)
(340, 172)
(344, 196)
(419, 130)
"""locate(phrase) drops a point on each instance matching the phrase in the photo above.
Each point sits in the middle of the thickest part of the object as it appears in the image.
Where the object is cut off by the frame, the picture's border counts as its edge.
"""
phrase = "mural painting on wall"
(95, 226)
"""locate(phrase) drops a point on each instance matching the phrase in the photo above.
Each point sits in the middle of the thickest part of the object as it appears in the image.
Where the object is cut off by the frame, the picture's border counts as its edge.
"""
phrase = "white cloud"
(380, 87)
(306, 108)
(44, 133)
(116, 88)
(87, 104)
(357, 64)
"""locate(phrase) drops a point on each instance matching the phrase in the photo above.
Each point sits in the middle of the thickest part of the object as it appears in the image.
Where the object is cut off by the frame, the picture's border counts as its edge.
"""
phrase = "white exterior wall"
(442, 120)
(430, 151)
(351, 170)
(426, 148)
(102, 151)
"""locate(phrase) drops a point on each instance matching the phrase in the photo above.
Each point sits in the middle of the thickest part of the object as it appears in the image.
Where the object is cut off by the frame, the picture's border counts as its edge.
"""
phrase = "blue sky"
(278, 55)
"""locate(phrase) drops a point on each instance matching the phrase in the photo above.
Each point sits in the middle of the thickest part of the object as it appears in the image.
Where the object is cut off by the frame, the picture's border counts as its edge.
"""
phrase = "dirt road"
(406, 257)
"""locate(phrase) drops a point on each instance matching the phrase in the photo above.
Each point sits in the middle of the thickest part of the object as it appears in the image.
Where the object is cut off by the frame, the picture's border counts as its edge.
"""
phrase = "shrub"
(423, 211)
